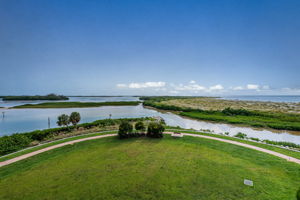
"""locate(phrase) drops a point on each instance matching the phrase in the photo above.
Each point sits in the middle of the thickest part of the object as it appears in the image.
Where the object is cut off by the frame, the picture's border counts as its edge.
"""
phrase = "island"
(49, 97)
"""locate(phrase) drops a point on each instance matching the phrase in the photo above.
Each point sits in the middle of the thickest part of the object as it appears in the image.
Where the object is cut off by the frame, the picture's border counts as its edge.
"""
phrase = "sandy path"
(288, 158)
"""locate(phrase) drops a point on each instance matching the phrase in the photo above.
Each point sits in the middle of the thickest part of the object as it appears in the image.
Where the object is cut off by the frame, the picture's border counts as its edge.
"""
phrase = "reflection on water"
(22, 120)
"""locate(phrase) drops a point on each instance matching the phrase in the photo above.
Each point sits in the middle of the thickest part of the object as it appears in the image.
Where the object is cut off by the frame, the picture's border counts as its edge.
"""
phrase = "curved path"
(288, 158)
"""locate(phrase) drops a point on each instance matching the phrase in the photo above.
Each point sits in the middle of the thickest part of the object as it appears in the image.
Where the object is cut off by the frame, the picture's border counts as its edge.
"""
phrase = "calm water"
(22, 120)
(280, 98)
(80, 99)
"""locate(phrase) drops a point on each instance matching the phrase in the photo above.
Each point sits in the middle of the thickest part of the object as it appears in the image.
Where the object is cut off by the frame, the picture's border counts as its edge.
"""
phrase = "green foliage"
(13, 143)
(298, 194)
(155, 130)
(139, 126)
(37, 97)
(255, 139)
(231, 112)
(63, 120)
(75, 118)
(125, 130)
(78, 104)
(241, 135)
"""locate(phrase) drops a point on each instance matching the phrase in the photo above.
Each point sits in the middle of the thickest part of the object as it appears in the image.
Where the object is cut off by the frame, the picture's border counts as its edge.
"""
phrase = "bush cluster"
(154, 130)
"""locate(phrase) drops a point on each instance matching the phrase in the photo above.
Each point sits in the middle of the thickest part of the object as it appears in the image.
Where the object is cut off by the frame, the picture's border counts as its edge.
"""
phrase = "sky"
(157, 47)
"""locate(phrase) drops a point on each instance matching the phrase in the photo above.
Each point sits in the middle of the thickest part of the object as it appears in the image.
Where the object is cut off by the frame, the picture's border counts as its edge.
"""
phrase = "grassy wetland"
(281, 116)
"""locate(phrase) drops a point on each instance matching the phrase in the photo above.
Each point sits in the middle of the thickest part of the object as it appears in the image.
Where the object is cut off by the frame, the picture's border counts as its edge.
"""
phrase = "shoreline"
(276, 131)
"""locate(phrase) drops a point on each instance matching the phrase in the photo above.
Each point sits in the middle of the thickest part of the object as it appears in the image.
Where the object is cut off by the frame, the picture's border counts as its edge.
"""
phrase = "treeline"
(18, 141)
(36, 97)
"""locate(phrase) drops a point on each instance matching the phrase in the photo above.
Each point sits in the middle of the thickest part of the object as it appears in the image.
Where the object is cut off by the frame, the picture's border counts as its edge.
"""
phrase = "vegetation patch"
(49, 97)
(78, 104)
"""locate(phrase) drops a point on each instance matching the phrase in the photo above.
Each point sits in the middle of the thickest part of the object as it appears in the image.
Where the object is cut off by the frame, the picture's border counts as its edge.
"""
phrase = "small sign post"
(248, 182)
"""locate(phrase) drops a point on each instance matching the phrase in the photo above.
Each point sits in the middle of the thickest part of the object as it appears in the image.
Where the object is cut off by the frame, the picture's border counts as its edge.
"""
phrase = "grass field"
(78, 104)
(143, 168)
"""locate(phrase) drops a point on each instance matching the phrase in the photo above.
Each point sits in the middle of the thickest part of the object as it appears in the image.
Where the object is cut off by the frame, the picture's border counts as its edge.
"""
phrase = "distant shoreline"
(76, 104)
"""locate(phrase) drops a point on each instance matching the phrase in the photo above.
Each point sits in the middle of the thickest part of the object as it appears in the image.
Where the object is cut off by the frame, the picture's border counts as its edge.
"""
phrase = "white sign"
(248, 182)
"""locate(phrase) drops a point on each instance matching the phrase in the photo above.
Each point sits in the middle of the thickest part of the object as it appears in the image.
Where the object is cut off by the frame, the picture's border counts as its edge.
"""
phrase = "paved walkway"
(288, 158)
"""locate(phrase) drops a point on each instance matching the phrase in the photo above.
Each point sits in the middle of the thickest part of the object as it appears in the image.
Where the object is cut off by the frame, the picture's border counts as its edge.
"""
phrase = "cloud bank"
(194, 88)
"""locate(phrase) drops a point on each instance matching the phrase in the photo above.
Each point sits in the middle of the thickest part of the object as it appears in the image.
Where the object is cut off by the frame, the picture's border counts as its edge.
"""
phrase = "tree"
(155, 130)
(75, 118)
(63, 120)
(125, 129)
(298, 194)
(139, 126)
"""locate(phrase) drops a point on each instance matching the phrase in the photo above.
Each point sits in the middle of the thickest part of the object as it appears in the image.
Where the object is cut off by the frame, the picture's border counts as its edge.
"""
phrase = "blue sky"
(141, 47)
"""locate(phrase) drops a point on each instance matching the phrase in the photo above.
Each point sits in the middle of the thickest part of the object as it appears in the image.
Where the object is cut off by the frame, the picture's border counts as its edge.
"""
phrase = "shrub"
(13, 143)
(155, 130)
(125, 130)
(139, 126)
(298, 194)
(241, 135)
(255, 139)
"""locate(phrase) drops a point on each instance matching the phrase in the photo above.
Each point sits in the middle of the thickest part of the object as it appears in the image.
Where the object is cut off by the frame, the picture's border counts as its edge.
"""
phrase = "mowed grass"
(142, 168)
(77, 104)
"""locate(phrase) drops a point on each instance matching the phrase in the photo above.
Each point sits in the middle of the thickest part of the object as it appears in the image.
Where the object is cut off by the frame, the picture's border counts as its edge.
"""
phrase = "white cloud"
(252, 87)
(158, 84)
(192, 82)
(216, 87)
(190, 87)
(238, 88)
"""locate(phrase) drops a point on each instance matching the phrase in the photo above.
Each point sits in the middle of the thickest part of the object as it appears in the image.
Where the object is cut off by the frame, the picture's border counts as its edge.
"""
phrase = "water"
(273, 98)
(80, 99)
(22, 120)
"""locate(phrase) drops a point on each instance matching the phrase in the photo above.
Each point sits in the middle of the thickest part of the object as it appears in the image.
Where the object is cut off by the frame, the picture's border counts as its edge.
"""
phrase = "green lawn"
(78, 104)
(142, 168)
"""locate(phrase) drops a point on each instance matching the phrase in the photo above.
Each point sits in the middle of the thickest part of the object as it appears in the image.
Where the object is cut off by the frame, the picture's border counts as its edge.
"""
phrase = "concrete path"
(288, 158)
